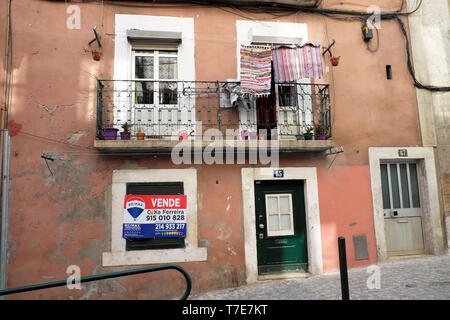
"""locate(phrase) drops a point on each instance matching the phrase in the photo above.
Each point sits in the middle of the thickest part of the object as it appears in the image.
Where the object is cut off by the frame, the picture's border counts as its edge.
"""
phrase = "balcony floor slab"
(161, 146)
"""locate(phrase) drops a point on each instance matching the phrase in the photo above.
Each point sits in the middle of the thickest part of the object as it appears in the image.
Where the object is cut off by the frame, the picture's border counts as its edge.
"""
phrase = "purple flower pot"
(125, 135)
(321, 137)
(110, 133)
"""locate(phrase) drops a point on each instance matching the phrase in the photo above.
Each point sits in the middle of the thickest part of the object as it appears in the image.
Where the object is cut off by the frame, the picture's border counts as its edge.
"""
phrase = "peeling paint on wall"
(52, 110)
(76, 136)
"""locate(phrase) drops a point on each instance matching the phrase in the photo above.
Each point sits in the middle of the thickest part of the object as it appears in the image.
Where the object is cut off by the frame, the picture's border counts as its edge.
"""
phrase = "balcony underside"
(166, 146)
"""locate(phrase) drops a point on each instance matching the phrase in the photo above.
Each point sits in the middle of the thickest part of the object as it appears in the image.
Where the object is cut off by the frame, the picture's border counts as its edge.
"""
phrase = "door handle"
(261, 236)
(402, 221)
(394, 213)
(261, 226)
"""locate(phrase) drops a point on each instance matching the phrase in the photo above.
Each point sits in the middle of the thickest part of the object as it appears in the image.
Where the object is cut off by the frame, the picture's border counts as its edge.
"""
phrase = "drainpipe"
(5, 193)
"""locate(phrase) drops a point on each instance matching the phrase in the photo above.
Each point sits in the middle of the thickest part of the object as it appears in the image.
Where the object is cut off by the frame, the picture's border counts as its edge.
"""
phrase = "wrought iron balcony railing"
(165, 109)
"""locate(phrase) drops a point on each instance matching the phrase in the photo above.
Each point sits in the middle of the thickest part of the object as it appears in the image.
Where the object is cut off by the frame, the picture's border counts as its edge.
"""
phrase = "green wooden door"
(280, 226)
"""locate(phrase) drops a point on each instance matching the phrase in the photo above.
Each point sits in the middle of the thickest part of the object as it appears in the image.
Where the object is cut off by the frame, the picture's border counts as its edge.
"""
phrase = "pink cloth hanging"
(256, 72)
(292, 63)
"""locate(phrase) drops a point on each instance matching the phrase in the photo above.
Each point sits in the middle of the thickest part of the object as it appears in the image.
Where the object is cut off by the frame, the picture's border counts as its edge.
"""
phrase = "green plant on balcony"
(126, 127)
(140, 133)
(321, 132)
(125, 134)
(308, 133)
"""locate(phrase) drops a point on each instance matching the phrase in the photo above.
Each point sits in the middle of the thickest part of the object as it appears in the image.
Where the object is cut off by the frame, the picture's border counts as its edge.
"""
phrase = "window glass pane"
(394, 186)
(168, 93)
(144, 52)
(143, 92)
(144, 68)
(414, 185)
(285, 221)
(168, 68)
(287, 95)
(385, 187)
(285, 204)
(272, 205)
(172, 53)
(273, 223)
(404, 185)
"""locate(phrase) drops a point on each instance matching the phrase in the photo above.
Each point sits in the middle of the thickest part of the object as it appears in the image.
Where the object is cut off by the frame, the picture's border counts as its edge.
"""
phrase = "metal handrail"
(105, 276)
(165, 114)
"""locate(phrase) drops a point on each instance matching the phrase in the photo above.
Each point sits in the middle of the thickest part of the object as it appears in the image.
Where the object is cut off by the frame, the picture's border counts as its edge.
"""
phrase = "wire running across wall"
(282, 9)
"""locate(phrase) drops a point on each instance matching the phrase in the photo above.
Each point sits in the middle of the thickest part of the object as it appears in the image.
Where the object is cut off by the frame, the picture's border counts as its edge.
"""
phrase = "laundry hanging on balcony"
(294, 62)
(231, 95)
(256, 73)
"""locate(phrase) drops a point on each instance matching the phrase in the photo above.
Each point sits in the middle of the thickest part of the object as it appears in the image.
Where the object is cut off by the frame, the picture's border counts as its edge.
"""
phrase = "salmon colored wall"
(345, 203)
(60, 217)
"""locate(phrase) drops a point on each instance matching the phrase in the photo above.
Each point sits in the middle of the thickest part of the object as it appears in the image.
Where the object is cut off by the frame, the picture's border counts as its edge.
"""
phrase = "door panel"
(404, 235)
(280, 226)
(401, 204)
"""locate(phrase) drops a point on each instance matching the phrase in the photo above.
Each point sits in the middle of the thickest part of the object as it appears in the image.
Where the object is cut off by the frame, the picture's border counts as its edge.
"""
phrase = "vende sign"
(156, 216)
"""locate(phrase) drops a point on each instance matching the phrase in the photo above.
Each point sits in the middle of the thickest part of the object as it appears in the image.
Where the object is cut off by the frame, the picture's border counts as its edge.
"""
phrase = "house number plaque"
(278, 173)
(402, 152)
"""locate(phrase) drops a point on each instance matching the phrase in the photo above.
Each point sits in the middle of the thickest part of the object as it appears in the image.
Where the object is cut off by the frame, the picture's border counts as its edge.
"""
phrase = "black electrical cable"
(410, 66)
(356, 15)
(8, 69)
(378, 42)
(274, 6)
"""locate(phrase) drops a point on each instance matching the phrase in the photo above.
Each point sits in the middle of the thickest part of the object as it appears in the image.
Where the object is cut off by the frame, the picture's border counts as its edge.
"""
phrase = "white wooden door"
(402, 208)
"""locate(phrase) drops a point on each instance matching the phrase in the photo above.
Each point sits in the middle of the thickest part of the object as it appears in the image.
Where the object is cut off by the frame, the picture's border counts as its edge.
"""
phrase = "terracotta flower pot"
(334, 61)
(140, 136)
(96, 55)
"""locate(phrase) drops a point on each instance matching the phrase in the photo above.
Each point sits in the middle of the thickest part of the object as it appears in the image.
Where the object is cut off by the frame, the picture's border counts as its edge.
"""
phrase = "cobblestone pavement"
(422, 278)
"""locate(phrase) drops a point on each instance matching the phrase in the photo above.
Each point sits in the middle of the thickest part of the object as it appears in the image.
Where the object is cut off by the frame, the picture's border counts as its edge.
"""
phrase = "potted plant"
(308, 133)
(96, 55)
(335, 61)
(320, 132)
(110, 133)
(301, 135)
(125, 134)
(140, 133)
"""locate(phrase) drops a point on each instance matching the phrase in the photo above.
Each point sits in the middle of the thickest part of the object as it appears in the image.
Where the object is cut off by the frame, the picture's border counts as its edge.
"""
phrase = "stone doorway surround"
(314, 240)
(428, 190)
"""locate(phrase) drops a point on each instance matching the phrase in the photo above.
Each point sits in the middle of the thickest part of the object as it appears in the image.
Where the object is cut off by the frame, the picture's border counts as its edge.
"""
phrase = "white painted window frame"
(123, 63)
(123, 48)
(313, 233)
(280, 232)
(156, 77)
(118, 255)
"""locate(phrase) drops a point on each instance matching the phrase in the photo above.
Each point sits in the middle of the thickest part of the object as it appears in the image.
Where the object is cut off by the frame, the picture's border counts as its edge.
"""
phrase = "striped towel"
(292, 63)
(256, 69)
